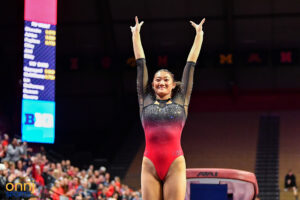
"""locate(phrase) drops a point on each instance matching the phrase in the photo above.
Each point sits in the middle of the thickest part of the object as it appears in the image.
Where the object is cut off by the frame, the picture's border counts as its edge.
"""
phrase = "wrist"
(136, 34)
(201, 33)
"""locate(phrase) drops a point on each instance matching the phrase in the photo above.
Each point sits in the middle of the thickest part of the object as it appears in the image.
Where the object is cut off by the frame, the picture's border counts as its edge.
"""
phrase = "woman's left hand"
(198, 27)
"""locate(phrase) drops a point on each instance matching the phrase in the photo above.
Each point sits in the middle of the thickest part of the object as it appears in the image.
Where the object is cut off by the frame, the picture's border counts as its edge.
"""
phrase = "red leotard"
(163, 122)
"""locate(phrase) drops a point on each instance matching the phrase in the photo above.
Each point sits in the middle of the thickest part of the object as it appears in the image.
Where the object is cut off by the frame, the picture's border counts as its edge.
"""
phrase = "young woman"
(163, 116)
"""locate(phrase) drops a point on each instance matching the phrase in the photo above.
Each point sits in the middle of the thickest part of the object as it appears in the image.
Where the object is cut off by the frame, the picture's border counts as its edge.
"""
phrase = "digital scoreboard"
(38, 100)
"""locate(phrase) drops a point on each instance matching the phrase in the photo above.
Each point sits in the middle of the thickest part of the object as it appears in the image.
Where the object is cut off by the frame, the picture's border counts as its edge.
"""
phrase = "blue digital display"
(38, 119)
(208, 191)
(38, 102)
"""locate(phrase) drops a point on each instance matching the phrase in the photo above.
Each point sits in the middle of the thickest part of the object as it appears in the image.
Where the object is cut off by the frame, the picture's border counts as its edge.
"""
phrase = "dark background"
(97, 107)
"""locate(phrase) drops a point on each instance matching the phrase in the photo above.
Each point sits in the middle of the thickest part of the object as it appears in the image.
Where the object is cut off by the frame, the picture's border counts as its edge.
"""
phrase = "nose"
(162, 82)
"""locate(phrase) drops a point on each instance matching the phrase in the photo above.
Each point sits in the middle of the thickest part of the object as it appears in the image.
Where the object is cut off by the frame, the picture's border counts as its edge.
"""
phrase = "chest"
(167, 113)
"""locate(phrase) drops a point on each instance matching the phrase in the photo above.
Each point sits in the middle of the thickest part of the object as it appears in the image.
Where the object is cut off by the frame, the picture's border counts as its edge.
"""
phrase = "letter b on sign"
(29, 119)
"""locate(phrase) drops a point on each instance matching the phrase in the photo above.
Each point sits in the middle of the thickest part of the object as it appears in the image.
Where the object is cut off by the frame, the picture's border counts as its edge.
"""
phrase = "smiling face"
(163, 84)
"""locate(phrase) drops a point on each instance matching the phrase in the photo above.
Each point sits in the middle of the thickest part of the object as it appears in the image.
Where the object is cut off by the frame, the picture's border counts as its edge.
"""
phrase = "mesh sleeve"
(142, 81)
(187, 82)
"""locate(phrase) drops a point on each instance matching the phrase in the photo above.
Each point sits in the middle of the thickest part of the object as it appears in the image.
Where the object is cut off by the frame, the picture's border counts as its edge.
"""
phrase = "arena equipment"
(220, 184)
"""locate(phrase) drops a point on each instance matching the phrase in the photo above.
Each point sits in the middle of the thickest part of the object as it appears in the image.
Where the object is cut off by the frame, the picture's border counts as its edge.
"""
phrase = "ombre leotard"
(162, 121)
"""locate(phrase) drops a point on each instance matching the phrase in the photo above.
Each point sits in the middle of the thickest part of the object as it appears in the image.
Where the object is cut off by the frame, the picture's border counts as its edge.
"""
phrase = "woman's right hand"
(137, 27)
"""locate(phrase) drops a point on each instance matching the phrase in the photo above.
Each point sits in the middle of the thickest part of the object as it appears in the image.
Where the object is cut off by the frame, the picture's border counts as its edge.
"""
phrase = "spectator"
(53, 166)
(83, 175)
(63, 165)
(91, 168)
(102, 170)
(59, 169)
(100, 189)
(86, 185)
(103, 194)
(14, 151)
(37, 169)
(20, 166)
(96, 174)
(114, 197)
(6, 164)
(76, 183)
(38, 176)
(2, 181)
(290, 183)
(47, 176)
(136, 196)
(111, 190)
(118, 181)
(25, 150)
(67, 190)
(78, 197)
(56, 191)
(43, 151)
(68, 164)
(71, 171)
(92, 183)
(84, 190)
(5, 141)
(12, 168)
(2, 152)
(107, 179)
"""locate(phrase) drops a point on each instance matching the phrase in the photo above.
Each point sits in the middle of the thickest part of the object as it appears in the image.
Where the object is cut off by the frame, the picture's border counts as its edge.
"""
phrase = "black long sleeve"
(142, 81)
(187, 81)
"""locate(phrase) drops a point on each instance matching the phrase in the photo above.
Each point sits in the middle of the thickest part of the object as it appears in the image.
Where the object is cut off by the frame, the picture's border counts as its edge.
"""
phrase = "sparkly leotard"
(163, 122)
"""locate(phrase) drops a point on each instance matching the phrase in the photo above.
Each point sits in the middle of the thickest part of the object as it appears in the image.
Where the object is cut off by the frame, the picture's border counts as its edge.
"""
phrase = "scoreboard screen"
(38, 101)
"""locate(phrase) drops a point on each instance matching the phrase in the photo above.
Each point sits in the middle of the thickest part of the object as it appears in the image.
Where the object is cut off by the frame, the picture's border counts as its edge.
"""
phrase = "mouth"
(161, 87)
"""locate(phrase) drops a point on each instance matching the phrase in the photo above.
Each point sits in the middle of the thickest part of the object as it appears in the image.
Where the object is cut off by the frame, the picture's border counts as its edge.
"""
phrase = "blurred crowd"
(55, 180)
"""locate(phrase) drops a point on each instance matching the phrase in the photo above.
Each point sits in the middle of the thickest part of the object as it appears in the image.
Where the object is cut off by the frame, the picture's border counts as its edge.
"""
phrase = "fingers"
(136, 20)
(202, 21)
(137, 26)
(193, 24)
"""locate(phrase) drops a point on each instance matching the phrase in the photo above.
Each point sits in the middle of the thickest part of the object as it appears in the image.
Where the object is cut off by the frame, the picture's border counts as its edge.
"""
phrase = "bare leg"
(175, 183)
(151, 185)
(295, 191)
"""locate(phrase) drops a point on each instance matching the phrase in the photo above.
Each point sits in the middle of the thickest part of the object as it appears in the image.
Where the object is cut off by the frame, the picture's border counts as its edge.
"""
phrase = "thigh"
(151, 185)
(175, 183)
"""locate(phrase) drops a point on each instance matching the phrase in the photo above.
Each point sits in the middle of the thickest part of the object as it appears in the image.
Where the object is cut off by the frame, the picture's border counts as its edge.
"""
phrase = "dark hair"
(175, 91)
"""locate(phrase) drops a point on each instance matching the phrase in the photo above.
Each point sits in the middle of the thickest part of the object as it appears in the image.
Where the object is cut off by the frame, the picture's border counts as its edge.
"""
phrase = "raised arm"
(142, 72)
(194, 53)
(188, 72)
(136, 39)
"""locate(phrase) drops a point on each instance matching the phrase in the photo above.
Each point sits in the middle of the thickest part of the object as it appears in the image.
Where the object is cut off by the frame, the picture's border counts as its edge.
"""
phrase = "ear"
(174, 85)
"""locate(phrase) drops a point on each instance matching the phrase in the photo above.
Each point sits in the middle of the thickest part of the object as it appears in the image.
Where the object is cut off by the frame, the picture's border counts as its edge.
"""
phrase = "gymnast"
(163, 113)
